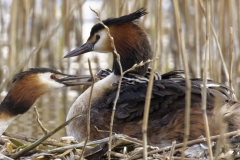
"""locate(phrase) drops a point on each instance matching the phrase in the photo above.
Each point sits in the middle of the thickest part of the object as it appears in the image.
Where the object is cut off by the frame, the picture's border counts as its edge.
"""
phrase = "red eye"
(52, 76)
(97, 37)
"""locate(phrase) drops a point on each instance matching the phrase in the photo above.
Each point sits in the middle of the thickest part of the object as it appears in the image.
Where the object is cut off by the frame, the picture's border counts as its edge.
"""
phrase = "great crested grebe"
(167, 108)
(27, 88)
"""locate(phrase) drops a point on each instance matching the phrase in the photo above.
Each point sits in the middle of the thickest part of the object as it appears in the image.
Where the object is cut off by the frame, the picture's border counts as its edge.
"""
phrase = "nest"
(123, 147)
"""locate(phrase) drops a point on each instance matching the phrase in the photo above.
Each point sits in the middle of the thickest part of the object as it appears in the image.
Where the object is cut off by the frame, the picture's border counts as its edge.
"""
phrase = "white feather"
(46, 80)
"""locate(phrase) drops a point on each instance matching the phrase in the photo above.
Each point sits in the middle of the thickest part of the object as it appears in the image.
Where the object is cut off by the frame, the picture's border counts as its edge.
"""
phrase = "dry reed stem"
(64, 153)
(92, 143)
(123, 7)
(204, 88)
(122, 156)
(231, 62)
(116, 10)
(118, 155)
(197, 42)
(238, 15)
(124, 152)
(158, 38)
(172, 150)
(89, 108)
(39, 141)
(119, 85)
(147, 106)
(182, 50)
(189, 143)
(45, 131)
(217, 42)
(13, 33)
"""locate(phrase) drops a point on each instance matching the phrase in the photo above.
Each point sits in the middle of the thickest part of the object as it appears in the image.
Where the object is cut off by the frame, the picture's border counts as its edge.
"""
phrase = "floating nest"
(123, 147)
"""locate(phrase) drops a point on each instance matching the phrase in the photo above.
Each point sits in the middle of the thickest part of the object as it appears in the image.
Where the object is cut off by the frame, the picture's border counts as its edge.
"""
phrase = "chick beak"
(68, 80)
(87, 47)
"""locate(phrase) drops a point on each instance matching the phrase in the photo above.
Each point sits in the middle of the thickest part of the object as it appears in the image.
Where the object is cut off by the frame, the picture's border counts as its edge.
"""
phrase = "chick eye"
(97, 37)
(52, 76)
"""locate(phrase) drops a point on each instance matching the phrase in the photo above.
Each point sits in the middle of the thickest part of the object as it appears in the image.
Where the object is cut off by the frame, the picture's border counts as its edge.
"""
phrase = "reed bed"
(38, 33)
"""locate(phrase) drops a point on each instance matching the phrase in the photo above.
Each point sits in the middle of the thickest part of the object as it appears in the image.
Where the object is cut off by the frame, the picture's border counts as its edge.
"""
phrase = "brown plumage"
(166, 119)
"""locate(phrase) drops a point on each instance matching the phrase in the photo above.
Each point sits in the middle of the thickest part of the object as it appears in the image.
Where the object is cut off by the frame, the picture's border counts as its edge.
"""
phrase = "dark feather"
(168, 97)
(118, 21)
(34, 71)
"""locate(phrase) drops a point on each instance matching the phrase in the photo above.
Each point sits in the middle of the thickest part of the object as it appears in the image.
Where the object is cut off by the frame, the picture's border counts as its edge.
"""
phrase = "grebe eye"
(97, 37)
(52, 76)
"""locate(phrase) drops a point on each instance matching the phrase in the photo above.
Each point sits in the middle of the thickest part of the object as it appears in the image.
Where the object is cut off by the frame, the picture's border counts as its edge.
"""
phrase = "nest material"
(123, 147)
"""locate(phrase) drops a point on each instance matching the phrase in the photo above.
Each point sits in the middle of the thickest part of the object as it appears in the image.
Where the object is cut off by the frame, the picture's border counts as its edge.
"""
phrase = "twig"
(39, 122)
(99, 130)
(89, 109)
(64, 153)
(139, 65)
(61, 149)
(118, 155)
(37, 155)
(38, 142)
(125, 152)
(119, 85)
(164, 157)
(228, 155)
(189, 143)
(172, 150)
(181, 43)
(30, 139)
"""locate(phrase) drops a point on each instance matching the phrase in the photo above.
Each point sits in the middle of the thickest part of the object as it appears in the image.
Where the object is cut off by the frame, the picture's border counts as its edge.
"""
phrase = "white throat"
(4, 123)
(99, 89)
(81, 104)
(106, 82)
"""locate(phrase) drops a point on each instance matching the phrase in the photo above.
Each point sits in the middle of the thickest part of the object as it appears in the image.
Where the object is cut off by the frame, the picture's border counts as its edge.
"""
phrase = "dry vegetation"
(39, 33)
